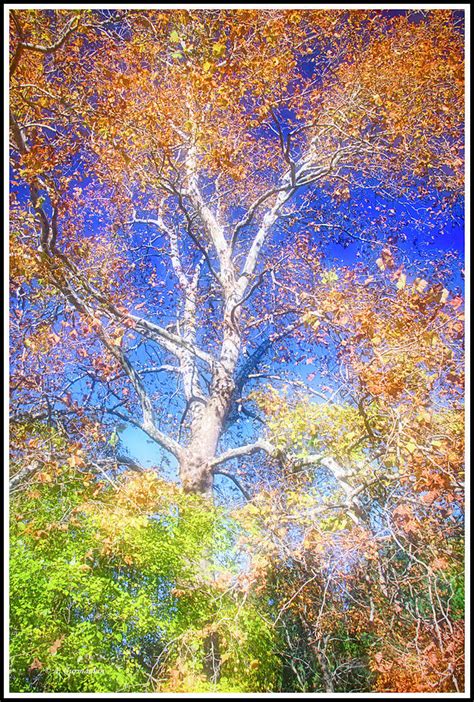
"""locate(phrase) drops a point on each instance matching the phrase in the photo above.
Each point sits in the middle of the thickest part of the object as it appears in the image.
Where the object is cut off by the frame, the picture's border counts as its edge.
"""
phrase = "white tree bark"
(206, 410)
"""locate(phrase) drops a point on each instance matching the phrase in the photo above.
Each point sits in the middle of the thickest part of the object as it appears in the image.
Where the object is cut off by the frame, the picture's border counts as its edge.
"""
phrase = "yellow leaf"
(311, 319)
(424, 416)
(118, 340)
(218, 49)
(75, 460)
(401, 281)
(410, 446)
(420, 284)
(444, 296)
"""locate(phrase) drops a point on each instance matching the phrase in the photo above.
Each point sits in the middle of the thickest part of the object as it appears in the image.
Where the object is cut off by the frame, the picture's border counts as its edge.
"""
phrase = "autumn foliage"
(237, 363)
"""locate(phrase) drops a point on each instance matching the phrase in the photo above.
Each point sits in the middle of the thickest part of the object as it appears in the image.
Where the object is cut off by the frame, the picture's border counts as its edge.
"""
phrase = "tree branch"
(165, 441)
(68, 29)
(148, 423)
(248, 449)
(24, 473)
(235, 481)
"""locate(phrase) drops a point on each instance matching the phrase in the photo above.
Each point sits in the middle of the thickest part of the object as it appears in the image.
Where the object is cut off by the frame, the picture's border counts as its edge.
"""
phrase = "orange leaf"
(36, 665)
(53, 649)
(43, 477)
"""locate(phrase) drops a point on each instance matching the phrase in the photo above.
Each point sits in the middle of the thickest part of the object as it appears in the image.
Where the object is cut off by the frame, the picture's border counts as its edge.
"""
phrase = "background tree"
(362, 541)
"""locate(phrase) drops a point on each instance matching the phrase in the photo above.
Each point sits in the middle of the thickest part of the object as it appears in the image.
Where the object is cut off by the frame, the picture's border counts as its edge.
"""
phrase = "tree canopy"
(236, 244)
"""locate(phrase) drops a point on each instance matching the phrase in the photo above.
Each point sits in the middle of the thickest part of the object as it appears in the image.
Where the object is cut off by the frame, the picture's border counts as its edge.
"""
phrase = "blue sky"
(423, 243)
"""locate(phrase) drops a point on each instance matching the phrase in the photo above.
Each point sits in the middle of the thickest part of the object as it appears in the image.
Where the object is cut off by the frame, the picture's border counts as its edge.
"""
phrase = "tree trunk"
(208, 421)
(196, 477)
(318, 655)
(195, 467)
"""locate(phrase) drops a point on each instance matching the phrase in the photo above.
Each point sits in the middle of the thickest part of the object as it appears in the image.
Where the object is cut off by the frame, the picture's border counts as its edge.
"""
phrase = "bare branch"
(148, 423)
(25, 473)
(246, 450)
(235, 481)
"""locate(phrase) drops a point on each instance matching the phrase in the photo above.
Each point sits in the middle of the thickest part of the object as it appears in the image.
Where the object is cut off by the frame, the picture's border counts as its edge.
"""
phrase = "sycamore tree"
(162, 150)
(181, 183)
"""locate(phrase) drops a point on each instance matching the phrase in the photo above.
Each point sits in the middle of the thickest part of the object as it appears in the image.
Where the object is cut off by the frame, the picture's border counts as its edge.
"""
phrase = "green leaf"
(174, 37)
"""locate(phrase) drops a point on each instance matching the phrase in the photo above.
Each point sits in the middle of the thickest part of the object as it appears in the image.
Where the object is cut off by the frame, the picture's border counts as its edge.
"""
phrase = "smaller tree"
(360, 537)
(109, 592)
